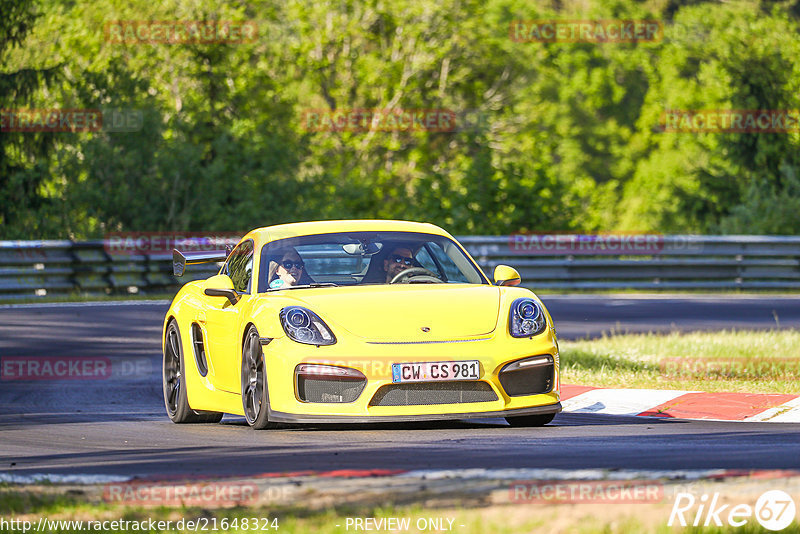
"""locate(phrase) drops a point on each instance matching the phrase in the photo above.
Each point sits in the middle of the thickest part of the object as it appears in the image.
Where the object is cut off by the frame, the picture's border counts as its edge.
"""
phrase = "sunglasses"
(289, 264)
(402, 259)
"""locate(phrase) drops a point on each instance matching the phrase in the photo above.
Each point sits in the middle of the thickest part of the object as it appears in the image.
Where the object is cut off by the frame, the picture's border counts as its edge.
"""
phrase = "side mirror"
(221, 285)
(506, 276)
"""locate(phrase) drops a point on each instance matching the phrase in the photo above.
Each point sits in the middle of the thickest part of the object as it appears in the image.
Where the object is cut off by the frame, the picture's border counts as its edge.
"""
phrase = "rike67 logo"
(774, 510)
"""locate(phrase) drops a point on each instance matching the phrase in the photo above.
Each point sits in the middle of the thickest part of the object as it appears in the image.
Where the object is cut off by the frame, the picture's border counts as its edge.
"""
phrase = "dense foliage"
(560, 136)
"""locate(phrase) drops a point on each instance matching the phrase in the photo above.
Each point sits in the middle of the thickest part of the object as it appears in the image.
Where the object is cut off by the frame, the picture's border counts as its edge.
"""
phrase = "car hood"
(403, 312)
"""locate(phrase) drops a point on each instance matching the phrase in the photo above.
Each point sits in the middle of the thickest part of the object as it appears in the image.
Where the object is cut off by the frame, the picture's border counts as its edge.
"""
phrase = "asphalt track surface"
(117, 425)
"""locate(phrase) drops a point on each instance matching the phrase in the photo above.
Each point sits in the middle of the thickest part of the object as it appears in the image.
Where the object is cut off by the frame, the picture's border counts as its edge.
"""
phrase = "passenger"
(287, 269)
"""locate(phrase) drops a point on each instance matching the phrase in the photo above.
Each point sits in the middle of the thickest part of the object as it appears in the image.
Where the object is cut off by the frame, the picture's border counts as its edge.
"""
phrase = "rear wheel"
(255, 396)
(530, 420)
(174, 385)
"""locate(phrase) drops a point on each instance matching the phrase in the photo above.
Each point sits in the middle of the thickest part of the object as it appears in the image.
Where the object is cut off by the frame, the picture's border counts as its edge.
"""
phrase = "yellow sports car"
(353, 322)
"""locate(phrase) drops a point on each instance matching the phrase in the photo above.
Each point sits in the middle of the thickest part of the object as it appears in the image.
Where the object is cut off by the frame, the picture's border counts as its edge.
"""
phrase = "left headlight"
(304, 326)
(526, 318)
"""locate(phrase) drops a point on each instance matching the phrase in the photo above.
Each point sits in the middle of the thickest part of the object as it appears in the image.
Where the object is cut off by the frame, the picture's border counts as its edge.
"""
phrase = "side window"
(240, 267)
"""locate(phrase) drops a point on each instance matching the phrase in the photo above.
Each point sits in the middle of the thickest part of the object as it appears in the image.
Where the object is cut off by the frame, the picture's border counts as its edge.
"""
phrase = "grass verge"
(729, 360)
(506, 518)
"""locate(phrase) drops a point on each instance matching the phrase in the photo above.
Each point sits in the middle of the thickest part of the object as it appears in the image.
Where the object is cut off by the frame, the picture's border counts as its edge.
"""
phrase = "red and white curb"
(752, 407)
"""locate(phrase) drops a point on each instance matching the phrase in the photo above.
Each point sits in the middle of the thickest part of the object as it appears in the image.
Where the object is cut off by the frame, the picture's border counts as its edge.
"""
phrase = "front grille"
(532, 380)
(329, 389)
(419, 393)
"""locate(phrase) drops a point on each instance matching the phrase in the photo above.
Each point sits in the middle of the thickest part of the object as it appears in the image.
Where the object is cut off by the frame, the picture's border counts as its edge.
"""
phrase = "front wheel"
(255, 397)
(530, 420)
(173, 373)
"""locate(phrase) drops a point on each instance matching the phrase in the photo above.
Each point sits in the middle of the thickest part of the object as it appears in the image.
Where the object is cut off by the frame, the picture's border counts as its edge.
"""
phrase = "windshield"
(364, 258)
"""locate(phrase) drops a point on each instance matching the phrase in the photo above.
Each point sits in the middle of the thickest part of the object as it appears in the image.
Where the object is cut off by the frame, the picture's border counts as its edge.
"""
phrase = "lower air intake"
(329, 389)
(421, 393)
(532, 379)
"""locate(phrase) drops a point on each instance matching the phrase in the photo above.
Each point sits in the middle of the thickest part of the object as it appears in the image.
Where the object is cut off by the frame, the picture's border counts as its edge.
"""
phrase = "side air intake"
(199, 349)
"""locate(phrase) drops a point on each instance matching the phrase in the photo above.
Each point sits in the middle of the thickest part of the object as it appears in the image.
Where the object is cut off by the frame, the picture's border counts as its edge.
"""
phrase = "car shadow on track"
(562, 419)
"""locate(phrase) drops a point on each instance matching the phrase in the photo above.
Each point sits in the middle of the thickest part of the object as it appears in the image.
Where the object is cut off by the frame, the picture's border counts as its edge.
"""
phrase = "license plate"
(435, 371)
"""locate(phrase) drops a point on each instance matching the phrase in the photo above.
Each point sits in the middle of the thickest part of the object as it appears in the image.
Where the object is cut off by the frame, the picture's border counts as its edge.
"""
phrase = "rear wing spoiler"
(181, 259)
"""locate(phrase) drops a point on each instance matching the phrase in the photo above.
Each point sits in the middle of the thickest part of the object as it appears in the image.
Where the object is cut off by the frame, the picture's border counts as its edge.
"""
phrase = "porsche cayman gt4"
(356, 321)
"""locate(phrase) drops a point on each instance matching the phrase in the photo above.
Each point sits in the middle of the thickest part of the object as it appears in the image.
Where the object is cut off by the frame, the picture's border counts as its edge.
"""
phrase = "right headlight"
(304, 326)
(526, 318)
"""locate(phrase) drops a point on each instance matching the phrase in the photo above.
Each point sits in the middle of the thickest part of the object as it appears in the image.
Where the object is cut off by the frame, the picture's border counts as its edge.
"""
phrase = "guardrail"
(38, 268)
(663, 263)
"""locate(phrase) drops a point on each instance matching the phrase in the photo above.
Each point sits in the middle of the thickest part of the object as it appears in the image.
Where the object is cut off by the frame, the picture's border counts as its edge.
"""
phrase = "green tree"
(22, 173)
(716, 56)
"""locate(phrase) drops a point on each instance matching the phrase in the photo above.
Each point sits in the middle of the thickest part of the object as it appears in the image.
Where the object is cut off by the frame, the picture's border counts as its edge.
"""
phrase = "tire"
(530, 420)
(173, 371)
(255, 394)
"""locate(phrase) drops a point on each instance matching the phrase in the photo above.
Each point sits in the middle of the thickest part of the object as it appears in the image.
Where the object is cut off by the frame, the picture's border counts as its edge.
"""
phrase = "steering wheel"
(421, 274)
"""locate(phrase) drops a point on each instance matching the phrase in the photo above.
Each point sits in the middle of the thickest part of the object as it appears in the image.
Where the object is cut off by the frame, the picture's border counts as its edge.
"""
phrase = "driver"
(400, 259)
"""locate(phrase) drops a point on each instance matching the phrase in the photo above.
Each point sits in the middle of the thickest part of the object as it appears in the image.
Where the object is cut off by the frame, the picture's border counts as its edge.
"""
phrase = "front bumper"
(375, 362)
